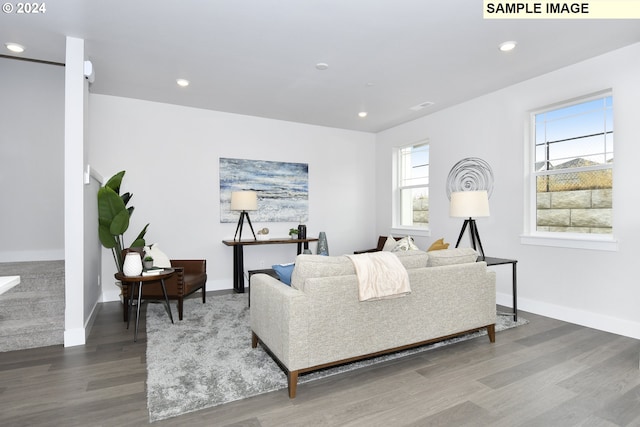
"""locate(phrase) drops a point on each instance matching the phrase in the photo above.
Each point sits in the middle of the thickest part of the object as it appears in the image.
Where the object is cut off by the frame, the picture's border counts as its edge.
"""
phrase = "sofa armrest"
(279, 317)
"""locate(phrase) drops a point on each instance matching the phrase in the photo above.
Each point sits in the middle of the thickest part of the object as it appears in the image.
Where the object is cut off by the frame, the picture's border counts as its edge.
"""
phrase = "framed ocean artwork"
(282, 189)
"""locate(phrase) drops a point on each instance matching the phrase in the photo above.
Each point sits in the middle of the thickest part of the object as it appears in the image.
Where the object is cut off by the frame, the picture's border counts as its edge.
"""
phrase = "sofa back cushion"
(314, 266)
(310, 266)
(451, 256)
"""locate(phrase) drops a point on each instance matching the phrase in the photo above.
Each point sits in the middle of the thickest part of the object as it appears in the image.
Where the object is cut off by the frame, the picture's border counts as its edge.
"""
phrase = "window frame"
(397, 227)
(532, 236)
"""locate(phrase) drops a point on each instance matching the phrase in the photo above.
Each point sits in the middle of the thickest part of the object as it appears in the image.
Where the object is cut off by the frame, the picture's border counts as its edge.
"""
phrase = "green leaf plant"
(113, 219)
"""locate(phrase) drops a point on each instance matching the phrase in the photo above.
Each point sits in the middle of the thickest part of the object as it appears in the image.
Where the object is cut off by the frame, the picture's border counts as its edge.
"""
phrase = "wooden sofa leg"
(293, 383)
(204, 293)
(254, 340)
(180, 307)
(491, 331)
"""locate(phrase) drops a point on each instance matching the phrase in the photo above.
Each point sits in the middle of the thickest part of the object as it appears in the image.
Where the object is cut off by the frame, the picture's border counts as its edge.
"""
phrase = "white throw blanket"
(380, 275)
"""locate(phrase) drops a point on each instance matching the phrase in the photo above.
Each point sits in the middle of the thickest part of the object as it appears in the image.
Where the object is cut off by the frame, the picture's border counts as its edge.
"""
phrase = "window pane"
(570, 127)
(570, 153)
(414, 207)
(572, 181)
(576, 136)
(569, 136)
(414, 165)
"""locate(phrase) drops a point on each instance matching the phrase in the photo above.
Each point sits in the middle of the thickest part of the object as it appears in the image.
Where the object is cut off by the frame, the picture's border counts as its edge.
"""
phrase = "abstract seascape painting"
(282, 188)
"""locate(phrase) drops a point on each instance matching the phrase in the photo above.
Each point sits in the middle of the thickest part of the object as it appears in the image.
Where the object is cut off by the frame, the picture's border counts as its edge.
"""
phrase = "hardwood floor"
(546, 373)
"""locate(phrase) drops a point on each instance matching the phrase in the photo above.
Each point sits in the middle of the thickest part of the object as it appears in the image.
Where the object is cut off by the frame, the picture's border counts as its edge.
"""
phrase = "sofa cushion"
(452, 256)
(310, 266)
(413, 259)
(314, 266)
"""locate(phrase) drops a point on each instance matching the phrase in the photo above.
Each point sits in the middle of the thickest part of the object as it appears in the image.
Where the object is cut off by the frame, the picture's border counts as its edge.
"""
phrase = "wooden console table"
(238, 255)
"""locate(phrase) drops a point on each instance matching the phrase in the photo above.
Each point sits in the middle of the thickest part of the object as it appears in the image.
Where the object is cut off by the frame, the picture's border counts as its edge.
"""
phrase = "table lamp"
(470, 205)
(244, 201)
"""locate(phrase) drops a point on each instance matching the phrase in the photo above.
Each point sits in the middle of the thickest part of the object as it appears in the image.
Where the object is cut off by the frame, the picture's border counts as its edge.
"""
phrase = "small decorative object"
(302, 234)
(263, 234)
(323, 246)
(302, 231)
(470, 174)
(293, 233)
(132, 264)
(147, 262)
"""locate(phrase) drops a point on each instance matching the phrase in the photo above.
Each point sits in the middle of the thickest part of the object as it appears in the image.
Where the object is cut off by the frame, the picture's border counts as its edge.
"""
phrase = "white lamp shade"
(469, 204)
(244, 201)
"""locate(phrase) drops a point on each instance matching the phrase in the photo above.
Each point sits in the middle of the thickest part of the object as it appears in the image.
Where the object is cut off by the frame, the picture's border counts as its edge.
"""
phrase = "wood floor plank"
(546, 373)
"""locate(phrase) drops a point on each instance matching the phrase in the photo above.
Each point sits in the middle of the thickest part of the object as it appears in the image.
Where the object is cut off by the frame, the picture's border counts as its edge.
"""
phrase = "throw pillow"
(284, 272)
(438, 245)
(405, 244)
(452, 256)
(389, 244)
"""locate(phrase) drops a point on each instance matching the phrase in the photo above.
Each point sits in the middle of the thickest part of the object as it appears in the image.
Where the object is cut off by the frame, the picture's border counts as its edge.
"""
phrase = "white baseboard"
(111, 295)
(20, 256)
(571, 315)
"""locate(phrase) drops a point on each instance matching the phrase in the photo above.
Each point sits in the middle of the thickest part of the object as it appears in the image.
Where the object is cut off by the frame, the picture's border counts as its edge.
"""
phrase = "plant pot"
(147, 264)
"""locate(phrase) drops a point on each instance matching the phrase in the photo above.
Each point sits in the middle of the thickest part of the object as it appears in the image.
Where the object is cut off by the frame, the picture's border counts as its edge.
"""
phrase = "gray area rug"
(207, 360)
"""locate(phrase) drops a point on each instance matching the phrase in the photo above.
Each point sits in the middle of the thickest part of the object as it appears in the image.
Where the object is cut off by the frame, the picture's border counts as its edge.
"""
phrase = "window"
(572, 169)
(412, 189)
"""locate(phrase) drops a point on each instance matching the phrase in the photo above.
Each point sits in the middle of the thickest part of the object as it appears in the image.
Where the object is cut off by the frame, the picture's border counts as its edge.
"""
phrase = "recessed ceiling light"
(15, 47)
(322, 66)
(182, 82)
(507, 46)
(362, 114)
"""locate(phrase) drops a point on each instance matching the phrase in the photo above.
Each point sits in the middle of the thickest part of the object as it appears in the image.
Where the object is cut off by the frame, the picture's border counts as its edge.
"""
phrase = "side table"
(514, 281)
(141, 280)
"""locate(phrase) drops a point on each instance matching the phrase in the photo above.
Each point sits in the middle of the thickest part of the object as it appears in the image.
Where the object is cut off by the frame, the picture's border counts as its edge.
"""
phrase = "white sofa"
(318, 321)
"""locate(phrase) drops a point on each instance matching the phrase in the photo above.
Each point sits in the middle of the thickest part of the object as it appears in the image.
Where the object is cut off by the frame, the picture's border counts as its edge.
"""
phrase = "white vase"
(132, 264)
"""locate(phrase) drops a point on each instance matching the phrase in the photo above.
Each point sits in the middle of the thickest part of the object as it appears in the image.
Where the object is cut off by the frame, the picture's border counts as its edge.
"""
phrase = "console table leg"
(515, 291)
(238, 269)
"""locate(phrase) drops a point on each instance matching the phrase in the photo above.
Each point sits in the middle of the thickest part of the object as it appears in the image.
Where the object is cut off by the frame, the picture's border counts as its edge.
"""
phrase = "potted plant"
(293, 233)
(113, 219)
(147, 262)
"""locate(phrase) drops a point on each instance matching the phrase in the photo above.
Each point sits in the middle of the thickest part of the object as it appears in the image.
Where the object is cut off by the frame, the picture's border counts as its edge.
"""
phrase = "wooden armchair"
(190, 276)
(378, 248)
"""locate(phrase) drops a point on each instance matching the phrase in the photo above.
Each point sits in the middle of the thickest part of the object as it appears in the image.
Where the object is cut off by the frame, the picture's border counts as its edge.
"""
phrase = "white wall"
(31, 161)
(590, 287)
(171, 156)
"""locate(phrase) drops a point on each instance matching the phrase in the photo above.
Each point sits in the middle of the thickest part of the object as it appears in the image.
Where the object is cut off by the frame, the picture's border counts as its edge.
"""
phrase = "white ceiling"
(258, 57)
